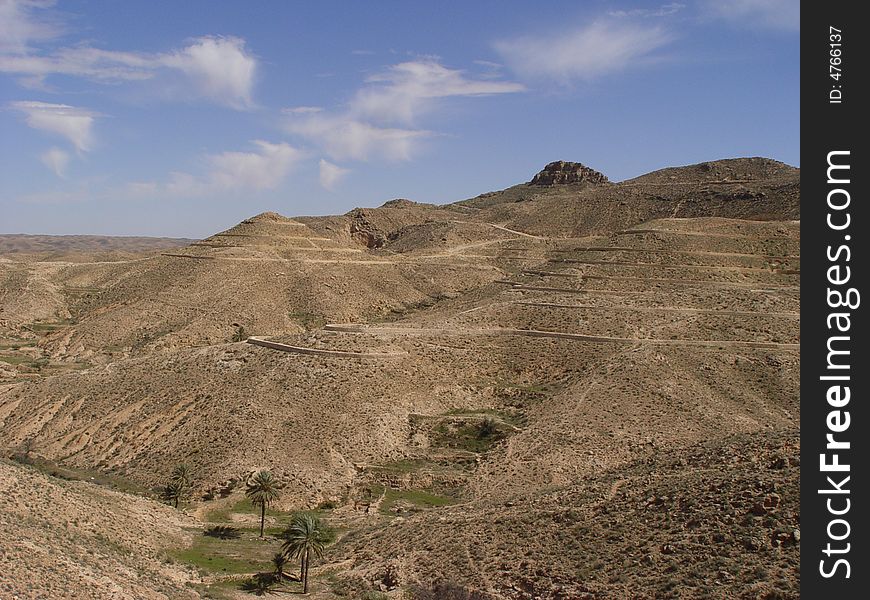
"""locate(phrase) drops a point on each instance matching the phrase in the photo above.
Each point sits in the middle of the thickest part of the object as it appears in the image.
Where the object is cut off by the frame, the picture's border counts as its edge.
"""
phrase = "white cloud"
(408, 88)
(345, 138)
(18, 27)
(56, 160)
(600, 48)
(221, 68)
(331, 175)
(265, 168)
(75, 124)
(773, 14)
(217, 68)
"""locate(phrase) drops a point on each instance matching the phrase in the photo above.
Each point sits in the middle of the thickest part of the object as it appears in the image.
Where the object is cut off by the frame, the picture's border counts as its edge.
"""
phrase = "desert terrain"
(568, 389)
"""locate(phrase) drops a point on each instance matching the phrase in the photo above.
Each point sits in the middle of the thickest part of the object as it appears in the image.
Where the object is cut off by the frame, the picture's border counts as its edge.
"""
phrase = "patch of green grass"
(244, 507)
(418, 498)
(511, 419)
(246, 554)
(467, 436)
(406, 465)
(48, 326)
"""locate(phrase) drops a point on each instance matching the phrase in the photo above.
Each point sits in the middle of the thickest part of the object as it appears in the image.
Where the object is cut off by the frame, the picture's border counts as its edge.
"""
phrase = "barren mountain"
(542, 359)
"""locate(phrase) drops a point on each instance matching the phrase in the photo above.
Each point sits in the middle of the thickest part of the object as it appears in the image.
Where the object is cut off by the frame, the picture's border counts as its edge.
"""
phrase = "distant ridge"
(22, 243)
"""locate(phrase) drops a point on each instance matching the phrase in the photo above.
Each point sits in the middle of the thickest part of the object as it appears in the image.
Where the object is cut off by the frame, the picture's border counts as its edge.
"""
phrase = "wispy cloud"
(303, 110)
(19, 27)
(220, 69)
(773, 14)
(331, 175)
(378, 123)
(602, 47)
(264, 168)
(407, 89)
(56, 160)
(345, 138)
(664, 10)
(74, 124)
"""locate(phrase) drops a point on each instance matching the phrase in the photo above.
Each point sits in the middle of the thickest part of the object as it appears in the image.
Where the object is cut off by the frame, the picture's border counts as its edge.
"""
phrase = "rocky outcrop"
(363, 231)
(400, 203)
(562, 172)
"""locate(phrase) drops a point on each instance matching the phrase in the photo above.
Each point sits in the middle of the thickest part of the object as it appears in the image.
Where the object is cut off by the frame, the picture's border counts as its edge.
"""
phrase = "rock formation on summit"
(561, 172)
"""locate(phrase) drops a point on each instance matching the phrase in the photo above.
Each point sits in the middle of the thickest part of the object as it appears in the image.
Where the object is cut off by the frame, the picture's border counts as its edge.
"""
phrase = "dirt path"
(694, 282)
(620, 263)
(544, 288)
(503, 228)
(704, 234)
(682, 252)
(257, 341)
(408, 331)
(701, 311)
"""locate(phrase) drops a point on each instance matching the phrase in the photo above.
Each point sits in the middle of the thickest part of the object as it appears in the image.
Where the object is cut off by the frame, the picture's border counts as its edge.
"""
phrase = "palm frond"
(306, 533)
(262, 488)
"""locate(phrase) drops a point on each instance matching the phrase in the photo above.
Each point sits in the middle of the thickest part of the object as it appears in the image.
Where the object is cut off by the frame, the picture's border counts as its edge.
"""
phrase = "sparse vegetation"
(469, 436)
(259, 584)
(223, 532)
(418, 499)
(447, 591)
(308, 320)
(487, 428)
(241, 334)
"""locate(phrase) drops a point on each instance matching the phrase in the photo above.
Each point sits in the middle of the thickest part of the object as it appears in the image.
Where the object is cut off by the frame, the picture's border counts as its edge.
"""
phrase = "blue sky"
(183, 118)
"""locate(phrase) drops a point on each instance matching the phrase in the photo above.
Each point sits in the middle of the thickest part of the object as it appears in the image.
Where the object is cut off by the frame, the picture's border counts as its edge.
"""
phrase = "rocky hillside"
(71, 540)
(568, 366)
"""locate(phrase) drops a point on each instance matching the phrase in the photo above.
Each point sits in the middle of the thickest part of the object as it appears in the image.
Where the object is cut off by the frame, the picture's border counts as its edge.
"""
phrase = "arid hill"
(529, 364)
(71, 540)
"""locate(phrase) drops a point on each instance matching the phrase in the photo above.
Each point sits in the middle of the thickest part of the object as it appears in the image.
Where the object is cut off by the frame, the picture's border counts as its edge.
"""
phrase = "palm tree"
(305, 536)
(262, 490)
(181, 473)
(172, 491)
(280, 561)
